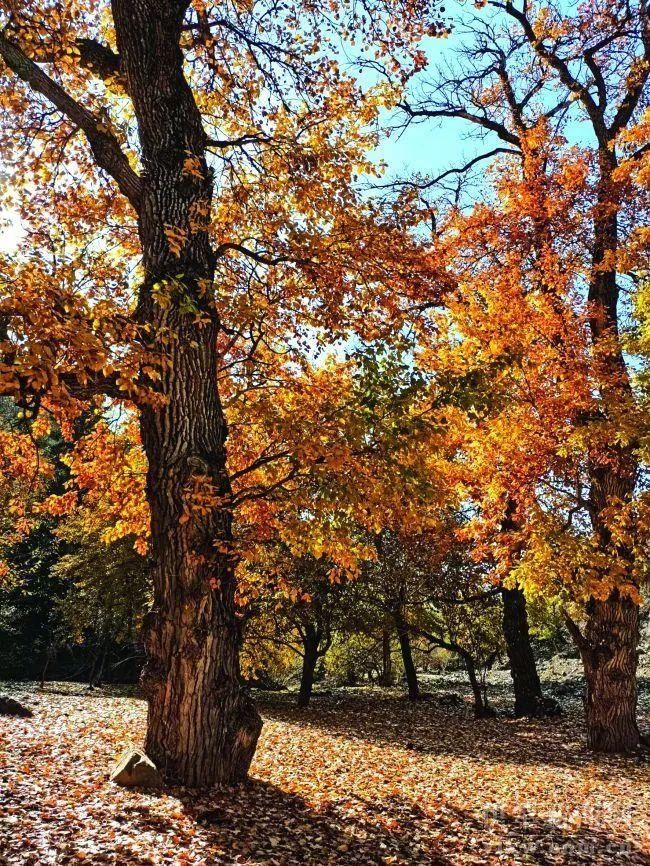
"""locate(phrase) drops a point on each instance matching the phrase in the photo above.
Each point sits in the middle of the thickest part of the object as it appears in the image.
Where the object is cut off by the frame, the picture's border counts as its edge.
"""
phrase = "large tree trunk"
(609, 646)
(610, 660)
(529, 700)
(609, 651)
(202, 727)
(407, 659)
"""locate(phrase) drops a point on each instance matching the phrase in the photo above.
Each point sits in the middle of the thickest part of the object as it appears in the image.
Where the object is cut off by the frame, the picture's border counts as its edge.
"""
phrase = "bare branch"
(637, 80)
(560, 65)
(262, 258)
(445, 174)
(241, 141)
(259, 463)
(491, 125)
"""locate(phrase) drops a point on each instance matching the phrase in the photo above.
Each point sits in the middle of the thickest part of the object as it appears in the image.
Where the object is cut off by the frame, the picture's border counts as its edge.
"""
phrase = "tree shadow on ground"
(73, 689)
(261, 822)
(428, 728)
(258, 823)
(560, 838)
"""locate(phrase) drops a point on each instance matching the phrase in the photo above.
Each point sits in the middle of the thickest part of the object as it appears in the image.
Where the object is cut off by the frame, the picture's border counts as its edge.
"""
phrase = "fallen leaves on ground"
(358, 778)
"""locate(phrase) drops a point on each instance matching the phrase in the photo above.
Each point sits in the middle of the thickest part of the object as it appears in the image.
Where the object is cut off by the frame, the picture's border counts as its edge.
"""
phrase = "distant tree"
(300, 615)
(107, 594)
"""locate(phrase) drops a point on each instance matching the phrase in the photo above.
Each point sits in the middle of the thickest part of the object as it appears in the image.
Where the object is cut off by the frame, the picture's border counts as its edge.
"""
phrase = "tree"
(574, 208)
(172, 98)
(33, 468)
(386, 677)
(301, 614)
(394, 588)
(529, 700)
(107, 594)
(453, 606)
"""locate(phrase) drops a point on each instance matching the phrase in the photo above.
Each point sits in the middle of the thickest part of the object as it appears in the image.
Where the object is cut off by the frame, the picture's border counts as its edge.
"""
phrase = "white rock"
(134, 768)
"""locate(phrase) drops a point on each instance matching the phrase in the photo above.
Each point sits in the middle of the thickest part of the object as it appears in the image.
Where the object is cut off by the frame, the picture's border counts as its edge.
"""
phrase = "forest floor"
(361, 777)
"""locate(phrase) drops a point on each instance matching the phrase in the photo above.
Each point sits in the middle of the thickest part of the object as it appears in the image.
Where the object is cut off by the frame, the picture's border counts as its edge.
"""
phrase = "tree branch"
(262, 258)
(479, 596)
(240, 141)
(491, 125)
(559, 65)
(451, 646)
(103, 144)
(581, 642)
(257, 464)
(429, 183)
(638, 80)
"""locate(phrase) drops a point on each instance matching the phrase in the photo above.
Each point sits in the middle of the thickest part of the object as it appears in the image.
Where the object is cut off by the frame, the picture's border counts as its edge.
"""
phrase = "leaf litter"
(361, 777)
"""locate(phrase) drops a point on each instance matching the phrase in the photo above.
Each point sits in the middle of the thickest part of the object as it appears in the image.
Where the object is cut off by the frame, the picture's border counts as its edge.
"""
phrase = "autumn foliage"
(316, 398)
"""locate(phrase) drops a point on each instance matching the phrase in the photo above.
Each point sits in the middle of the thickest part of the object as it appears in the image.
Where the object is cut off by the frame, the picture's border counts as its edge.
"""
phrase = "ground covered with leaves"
(358, 778)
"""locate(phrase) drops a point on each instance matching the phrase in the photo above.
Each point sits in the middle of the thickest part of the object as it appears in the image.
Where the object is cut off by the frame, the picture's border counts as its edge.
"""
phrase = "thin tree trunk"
(386, 678)
(91, 675)
(309, 662)
(102, 664)
(407, 659)
(481, 708)
(97, 669)
(202, 727)
(48, 659)
(529, 700)
(351, 677)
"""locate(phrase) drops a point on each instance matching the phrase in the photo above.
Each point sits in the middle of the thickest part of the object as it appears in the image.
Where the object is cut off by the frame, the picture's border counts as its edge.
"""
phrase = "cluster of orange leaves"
(306, 469)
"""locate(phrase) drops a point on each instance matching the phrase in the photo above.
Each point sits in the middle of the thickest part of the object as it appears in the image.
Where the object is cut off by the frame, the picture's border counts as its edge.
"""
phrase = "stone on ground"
(10, 707)
(135, 769)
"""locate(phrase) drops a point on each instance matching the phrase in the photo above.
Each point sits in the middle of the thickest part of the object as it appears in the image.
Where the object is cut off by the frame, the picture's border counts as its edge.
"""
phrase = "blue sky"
(431, 146)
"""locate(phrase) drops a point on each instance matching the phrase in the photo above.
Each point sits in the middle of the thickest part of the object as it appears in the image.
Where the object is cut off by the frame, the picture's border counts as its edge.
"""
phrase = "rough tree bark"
(202, 727)
(609, 647)
(609, 654)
